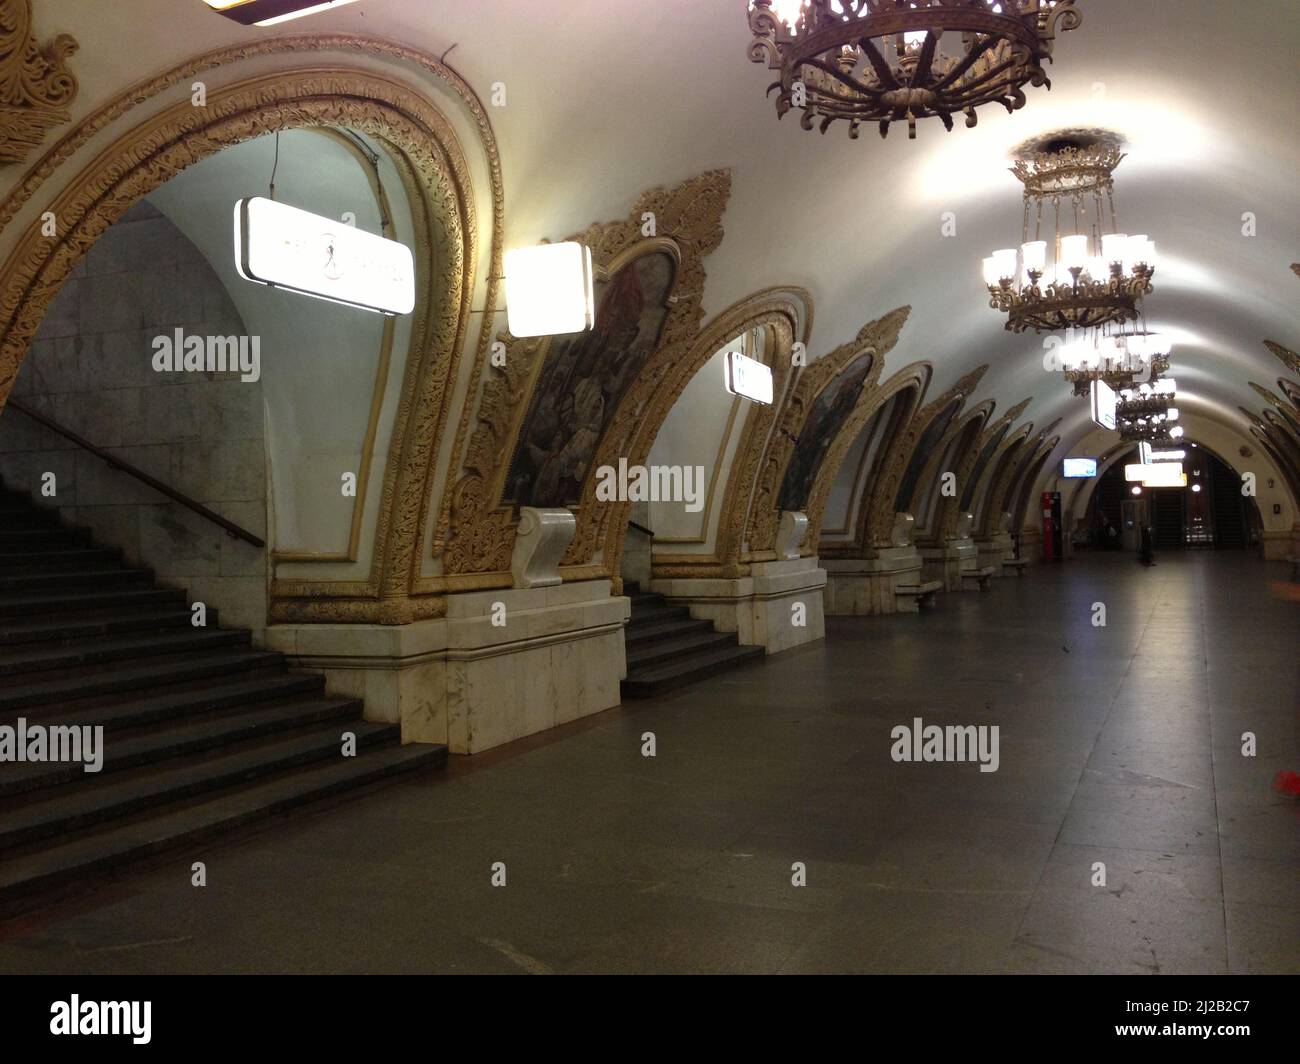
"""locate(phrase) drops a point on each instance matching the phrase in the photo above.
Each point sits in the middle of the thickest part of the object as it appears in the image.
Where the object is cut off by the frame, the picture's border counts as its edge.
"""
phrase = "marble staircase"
(667, 648)
(202, 732)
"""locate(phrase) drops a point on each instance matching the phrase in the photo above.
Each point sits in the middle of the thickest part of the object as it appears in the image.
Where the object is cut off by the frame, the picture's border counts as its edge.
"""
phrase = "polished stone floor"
(1120, 745)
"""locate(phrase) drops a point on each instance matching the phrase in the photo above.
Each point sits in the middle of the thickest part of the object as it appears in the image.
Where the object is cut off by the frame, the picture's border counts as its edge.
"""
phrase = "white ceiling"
(605, 98)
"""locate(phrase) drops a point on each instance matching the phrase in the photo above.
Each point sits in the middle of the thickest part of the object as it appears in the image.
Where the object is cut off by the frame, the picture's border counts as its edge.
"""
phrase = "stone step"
(181, 740)
(86, 860)
(78, 602)
(13, 540)
(656, 614)
(44, 561)
(76, 579)
(97, 651)
(75, 809)
(137, 711)
(637, 636)
(657, 679)
(134, 677)
(673, 649)
(66, 630)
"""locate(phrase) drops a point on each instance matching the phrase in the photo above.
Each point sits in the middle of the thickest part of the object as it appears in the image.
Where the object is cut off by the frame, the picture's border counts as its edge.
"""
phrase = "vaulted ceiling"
(604, 98)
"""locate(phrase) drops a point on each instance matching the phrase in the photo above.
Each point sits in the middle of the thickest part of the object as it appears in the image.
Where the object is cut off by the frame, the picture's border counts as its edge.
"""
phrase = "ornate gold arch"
(984, 499)
(910, 380)
(1289, 411)
(965, 429)
(1029, 478)
(950, 508)
(426, 152)
(476, 531)
(878, 518)
(785, 313)
(876, 338)
(1002, 492)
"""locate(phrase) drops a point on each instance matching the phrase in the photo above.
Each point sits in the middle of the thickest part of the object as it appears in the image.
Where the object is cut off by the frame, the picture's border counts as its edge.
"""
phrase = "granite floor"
(1119, 745)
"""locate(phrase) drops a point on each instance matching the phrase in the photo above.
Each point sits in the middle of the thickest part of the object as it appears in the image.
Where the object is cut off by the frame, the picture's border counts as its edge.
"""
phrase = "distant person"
(1109, 534)
(1146, 555)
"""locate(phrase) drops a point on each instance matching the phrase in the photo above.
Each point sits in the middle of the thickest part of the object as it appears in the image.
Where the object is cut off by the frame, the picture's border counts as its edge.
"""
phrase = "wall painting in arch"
(828, 414)
(583, 381)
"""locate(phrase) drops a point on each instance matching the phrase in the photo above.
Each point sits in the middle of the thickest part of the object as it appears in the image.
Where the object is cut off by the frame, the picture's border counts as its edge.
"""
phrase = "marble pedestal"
(994, 551)
(759, 608)
(857, 587)
(947, 563)
(1281, 545)
(478, 677)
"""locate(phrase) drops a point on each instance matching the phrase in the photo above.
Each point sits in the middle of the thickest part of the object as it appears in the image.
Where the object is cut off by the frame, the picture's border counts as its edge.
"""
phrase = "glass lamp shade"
(1074, 252)
(1172, 413)
(991, 272)
(1166, 386)
(1034, 255)
(1114, 246)
(1001, 264)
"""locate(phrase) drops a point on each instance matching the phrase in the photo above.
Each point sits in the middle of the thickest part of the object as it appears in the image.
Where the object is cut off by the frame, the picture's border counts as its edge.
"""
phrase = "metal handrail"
(230, 527)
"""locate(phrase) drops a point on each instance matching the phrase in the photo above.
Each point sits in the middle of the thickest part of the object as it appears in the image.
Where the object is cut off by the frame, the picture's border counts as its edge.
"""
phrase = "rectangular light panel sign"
(748, 378)
(285, 247)
(1103, 404)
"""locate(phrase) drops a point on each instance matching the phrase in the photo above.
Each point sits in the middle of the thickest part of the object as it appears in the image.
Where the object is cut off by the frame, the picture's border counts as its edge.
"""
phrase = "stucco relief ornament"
(36, 85)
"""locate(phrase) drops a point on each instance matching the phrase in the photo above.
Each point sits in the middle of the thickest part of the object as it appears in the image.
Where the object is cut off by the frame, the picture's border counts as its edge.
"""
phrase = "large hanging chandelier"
(1122, 360)
(1074, 268)
(1146, 414)
(893, 60)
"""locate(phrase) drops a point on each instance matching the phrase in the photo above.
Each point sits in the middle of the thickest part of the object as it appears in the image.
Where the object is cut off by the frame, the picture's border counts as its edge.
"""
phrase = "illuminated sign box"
(1103, 404)
(748, 378)
(1157, 475)
(550, 290)
(288, 248)
(1079, 467)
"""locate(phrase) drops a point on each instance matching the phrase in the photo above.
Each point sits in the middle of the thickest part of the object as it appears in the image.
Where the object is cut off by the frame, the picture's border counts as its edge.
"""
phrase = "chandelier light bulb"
(1034, 256)
(1074, 252)
(1114, 246)
(1176, 433)
(1172, 413)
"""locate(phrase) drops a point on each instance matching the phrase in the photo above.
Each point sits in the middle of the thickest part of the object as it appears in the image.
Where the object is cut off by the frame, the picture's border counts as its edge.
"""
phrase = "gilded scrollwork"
(433, 165)
(876, 338)
(878, 515)
(909, 381)
(36, 85)
(479, 529)
(950, 507)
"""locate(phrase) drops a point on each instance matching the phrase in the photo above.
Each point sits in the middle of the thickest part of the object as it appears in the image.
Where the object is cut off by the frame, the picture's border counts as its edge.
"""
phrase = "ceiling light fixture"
(1074, 270)
(271, 12)
(899, 60)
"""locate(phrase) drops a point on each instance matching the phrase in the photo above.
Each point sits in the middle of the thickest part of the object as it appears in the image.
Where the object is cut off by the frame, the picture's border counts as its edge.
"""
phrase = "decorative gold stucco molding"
(418, 135)
(876, 338)
(1002, 492)
(1285, 355)
(878, 515)
(950, 507)
(784, 315)
(36, 86)
(479, 528)
(907, 386)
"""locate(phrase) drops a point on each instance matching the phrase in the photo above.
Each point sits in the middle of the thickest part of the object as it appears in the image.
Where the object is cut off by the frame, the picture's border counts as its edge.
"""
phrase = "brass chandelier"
(1146, 413)
(893, 60)
(1081, 273)
(1122, 361)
